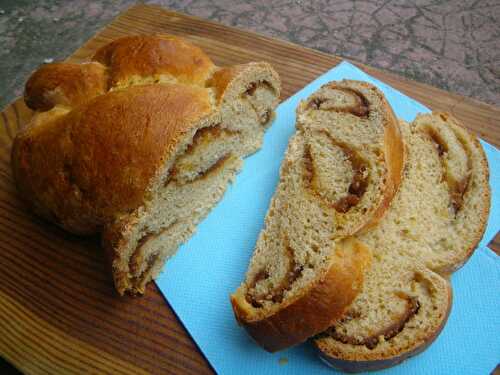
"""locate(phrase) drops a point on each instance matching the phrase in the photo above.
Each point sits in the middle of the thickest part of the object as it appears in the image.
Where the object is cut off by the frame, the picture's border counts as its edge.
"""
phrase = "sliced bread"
(139, 144)
(340, 172)
(432, 227)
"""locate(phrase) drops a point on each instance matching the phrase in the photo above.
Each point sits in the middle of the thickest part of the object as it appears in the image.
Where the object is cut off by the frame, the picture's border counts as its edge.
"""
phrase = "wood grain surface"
(59, 311)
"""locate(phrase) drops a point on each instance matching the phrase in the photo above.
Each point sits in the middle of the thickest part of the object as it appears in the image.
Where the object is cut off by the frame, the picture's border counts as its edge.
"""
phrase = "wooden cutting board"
(58, 309)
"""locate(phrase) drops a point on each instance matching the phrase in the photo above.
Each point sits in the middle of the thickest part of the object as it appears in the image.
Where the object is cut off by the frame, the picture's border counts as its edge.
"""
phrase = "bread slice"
(139, 144)
(195, 179)
(351, 123)
(339, 174)
(435, 222)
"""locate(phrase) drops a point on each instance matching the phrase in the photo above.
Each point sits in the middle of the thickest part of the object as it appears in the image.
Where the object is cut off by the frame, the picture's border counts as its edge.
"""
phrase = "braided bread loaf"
(139, 144)
(435, 222)
(341, 170)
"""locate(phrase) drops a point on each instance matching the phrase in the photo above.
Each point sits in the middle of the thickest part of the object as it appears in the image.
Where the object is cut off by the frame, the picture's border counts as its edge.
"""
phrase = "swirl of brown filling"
(457, 188)
(359, 106)
(294, 271)
(251, 90)
(202, 138)
(217, 166)
(141, 255)
(357, 186)
(412, 307)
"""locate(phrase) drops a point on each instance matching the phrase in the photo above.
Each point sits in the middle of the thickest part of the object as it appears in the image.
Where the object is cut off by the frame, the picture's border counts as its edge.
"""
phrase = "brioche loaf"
(340, 172)
(138, 145)
(435, 221)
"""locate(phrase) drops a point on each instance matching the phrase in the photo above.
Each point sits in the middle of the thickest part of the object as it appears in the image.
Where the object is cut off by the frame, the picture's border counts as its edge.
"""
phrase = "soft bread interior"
(440, 210)
(330, 180)
(401, 306)
(296, 243)
(450, 192)
(343, 153)
(431, 225)
(332, 184)
(193, 182)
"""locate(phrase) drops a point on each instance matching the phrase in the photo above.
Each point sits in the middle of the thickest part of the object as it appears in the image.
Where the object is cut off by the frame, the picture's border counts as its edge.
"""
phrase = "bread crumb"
(283, 361)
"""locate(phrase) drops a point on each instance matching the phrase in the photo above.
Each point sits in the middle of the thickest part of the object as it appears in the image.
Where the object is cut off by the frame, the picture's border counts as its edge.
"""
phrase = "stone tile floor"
(454, 44)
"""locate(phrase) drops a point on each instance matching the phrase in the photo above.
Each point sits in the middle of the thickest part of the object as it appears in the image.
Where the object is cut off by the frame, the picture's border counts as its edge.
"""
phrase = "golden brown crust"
(293, 320)
(483, 217)
(65, 84)
(221, 79)
(67, 159)
(114, 238)
(155, 55)
(394, 154)
(224, 79)
(105, 130)
(394, 149)
(361, 364)
(348, 362)
(314, 310)
(93, 155)
(388, 332)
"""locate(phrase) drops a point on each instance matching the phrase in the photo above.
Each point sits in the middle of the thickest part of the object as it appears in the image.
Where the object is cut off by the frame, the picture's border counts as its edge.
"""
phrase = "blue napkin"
(198, 280)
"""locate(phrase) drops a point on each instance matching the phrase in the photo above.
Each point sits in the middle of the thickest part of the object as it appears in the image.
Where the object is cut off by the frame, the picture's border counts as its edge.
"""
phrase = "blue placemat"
(199, 279)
